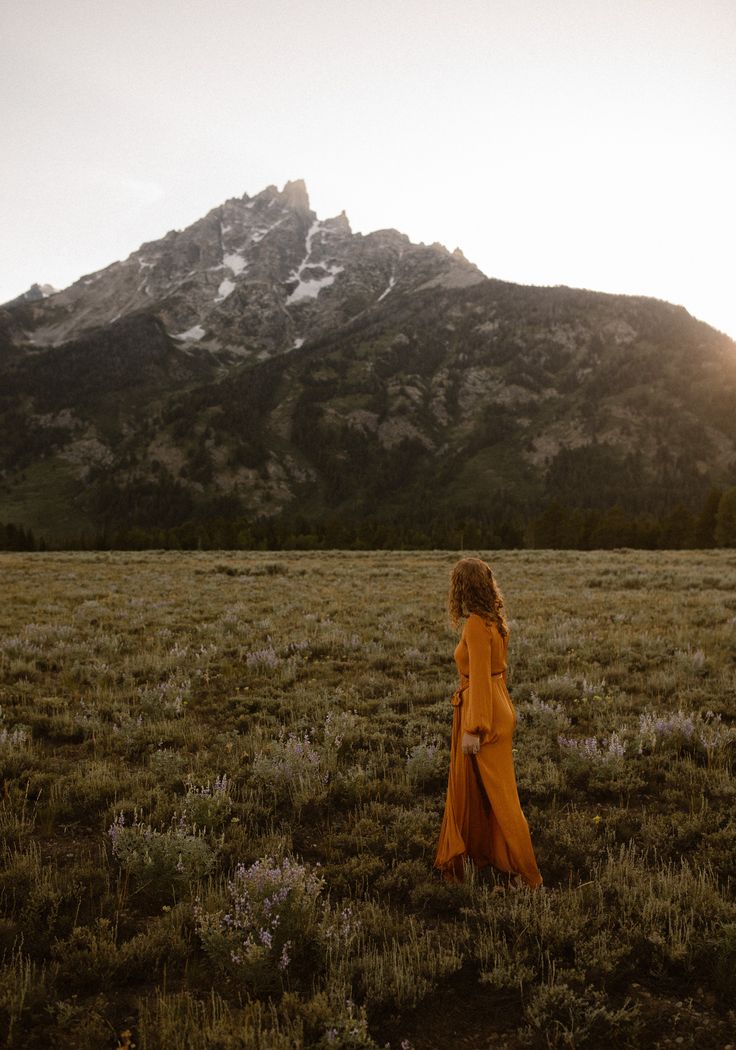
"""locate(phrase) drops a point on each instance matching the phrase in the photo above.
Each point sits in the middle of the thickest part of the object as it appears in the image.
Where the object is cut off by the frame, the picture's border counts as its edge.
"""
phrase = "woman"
(483, 817)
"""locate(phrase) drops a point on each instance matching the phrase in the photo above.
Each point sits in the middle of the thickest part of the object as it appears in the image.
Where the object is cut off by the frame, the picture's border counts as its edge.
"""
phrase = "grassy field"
(224, 775)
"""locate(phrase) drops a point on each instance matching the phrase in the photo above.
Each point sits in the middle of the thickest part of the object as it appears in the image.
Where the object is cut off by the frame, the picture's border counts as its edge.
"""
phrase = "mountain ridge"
(251, 264)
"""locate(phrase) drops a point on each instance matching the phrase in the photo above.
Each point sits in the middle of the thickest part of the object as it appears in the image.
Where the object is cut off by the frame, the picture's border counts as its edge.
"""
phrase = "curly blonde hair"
(473, 588)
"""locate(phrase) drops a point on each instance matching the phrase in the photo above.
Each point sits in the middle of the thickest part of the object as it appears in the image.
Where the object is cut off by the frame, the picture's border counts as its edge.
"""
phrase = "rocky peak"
(339, 223)
(34, 293)
(295, 196)
(255, 276)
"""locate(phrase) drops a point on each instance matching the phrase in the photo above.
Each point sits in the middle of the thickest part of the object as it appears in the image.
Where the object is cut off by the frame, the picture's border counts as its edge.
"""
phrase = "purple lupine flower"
(285, 959)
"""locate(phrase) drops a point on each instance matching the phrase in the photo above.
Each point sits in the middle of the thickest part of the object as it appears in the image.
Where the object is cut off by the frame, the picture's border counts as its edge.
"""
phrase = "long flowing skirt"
(483, 818)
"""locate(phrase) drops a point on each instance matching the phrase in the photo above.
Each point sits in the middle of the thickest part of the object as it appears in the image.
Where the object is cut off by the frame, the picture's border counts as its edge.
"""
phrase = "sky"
(556, 142)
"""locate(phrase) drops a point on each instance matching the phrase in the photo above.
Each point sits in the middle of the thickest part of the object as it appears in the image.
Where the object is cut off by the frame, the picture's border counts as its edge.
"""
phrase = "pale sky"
(590, 143)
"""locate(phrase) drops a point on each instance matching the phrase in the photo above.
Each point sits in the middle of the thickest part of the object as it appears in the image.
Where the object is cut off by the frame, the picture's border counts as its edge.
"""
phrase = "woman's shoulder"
(476, 620)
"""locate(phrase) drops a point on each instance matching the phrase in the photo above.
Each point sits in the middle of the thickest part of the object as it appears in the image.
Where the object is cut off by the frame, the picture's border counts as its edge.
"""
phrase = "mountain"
(265, 361)
(35, 292)
(254, 277)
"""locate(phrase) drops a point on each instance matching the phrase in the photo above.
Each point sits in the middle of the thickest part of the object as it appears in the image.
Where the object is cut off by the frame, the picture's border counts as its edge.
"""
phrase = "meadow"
(224, 775)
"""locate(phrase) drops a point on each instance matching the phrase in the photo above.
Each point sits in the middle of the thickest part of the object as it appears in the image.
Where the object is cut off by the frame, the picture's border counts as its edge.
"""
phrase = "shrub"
(270, 926)
(265, 659)
(677, 730)
(169, 698)
(549, 715)
(161, 858)
(208, 805)
(291, 768)
(557, 1015)
(602, 766)
(348, 1031)
(425, 762)
(16, 746)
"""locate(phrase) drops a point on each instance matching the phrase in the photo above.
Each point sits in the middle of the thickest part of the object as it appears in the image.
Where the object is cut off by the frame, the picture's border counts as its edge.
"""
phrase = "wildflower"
(11, 739)
(265, 658)
(615, 745)
(263, 897)
(284, 959)
(114, 830)
(589, 747)
(654, 729)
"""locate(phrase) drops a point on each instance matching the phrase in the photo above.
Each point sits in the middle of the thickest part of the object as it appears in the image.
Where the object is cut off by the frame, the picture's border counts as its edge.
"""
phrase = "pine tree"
(725, 530)
(705, 524)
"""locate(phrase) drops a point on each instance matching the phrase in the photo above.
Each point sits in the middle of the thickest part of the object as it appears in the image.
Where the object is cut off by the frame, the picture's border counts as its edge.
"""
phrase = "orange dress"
(483, 817)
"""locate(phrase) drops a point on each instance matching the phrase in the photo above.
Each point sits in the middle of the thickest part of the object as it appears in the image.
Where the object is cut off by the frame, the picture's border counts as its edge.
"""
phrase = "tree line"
(712, 524)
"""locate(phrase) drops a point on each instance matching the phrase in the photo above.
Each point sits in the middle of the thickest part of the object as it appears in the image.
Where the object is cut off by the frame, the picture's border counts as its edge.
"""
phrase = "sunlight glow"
(576, 143)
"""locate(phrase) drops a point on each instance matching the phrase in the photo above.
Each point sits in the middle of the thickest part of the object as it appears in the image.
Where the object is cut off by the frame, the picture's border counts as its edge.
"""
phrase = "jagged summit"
(295, 195)
(254, 276)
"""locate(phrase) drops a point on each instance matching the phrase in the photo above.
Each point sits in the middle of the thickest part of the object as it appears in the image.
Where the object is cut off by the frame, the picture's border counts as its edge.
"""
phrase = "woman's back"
(475, 629)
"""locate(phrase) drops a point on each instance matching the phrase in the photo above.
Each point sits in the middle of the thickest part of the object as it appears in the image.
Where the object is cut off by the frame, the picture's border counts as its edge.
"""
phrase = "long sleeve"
(478, 702)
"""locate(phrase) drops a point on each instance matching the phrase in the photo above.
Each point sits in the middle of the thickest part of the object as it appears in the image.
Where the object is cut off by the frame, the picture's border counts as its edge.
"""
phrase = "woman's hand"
(470, 743)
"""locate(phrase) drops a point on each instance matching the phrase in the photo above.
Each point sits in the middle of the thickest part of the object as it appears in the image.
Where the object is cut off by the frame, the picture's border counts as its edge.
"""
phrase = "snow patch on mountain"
(259, 233)
(195, 333)
(391, 283)
(234, 261)
(310, 288)
(311, 234)
(226, 287)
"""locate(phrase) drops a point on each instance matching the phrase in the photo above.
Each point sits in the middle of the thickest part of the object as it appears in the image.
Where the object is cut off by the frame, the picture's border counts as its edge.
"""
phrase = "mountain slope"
(494, 391)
